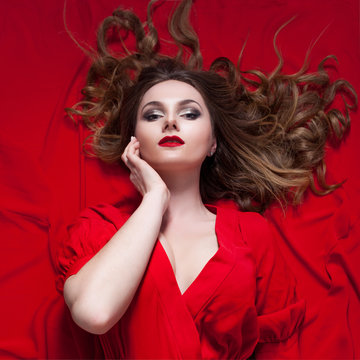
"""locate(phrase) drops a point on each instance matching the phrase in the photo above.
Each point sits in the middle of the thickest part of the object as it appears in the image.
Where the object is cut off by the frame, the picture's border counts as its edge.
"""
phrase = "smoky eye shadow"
(152, 114)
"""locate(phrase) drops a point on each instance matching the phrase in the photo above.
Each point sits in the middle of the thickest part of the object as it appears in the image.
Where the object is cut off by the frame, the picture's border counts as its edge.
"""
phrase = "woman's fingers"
(142, 175)
(133, 156)
(127, 151)
(124, 155)
(135, 164)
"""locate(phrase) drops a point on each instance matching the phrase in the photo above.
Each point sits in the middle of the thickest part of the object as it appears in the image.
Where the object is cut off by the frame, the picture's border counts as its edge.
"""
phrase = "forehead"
(172, 91)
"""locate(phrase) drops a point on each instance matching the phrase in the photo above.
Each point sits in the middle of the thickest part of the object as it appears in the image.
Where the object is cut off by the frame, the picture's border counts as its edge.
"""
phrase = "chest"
(188, 252)
(214, 318)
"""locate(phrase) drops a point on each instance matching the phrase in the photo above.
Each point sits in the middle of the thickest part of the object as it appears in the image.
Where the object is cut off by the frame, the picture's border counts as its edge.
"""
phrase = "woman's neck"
(185, 198)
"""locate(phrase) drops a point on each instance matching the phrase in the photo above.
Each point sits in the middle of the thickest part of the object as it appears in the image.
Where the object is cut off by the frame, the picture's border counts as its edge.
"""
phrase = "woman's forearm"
(99, 294)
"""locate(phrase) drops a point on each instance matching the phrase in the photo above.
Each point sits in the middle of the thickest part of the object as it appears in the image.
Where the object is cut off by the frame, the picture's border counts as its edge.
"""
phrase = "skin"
(171, 209)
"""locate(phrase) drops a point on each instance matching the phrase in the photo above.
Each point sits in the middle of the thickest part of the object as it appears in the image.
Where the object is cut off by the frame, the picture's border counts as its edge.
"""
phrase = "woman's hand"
(146, 180)
(97, 305)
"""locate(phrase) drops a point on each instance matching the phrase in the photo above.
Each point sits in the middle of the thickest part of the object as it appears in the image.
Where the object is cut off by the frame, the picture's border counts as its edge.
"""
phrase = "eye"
(190, 114)
(153, 115)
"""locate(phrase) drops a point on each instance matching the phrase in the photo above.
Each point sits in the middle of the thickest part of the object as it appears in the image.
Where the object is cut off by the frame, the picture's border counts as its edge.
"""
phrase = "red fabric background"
(45, 181)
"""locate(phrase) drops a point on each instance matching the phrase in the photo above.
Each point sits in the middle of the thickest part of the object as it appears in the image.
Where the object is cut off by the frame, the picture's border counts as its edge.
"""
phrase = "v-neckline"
(209, 278)
(210, 208)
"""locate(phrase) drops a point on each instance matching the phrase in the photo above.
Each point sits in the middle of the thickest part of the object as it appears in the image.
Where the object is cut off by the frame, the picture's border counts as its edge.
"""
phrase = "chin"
(170, 161)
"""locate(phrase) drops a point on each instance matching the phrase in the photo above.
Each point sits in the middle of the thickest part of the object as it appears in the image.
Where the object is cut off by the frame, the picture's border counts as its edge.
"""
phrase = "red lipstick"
(171, 141)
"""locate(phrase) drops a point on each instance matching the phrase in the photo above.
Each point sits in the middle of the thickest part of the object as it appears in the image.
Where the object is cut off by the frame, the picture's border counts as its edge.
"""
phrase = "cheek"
(137, 130)
(204, 137)
(146, 139)
(142, 133)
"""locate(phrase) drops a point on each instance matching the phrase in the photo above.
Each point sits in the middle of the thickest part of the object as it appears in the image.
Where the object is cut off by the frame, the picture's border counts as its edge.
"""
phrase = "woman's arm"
(99, 294)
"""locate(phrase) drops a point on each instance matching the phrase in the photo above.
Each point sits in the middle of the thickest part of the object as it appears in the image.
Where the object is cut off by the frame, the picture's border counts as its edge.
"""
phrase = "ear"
(212, 148)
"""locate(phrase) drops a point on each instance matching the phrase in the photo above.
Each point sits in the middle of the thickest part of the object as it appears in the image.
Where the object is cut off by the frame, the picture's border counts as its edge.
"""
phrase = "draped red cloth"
(45, 180)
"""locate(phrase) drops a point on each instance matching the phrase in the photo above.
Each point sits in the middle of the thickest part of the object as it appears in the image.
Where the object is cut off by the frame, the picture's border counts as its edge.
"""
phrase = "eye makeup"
(153, 114)
(190, 113)
(156, 110)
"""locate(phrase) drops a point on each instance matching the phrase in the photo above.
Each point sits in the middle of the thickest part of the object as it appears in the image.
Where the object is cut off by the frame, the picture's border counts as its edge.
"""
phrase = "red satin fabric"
(45, 180)
(243, 298)
(325, 260)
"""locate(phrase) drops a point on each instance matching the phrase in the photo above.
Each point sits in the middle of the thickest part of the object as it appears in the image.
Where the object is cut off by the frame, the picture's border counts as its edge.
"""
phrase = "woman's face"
(174, 127)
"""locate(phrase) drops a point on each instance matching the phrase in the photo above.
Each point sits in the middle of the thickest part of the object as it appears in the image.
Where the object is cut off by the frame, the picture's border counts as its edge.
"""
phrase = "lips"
(171, 141)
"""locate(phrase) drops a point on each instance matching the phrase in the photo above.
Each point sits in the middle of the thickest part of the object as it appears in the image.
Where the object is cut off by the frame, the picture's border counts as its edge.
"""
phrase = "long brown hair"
(271, 130)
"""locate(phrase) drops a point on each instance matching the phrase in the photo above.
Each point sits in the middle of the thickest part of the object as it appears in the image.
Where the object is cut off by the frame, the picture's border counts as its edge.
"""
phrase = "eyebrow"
(181, 103)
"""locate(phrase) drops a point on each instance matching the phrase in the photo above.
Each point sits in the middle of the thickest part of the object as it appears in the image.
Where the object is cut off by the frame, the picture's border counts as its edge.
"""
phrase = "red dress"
(242, 301)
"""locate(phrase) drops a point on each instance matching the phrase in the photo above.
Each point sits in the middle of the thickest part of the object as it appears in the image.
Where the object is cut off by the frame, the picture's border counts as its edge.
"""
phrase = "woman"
(177, 278)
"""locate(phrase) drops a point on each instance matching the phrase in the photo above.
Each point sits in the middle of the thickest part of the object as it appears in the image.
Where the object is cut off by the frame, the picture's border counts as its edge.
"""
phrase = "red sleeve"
(280, 312)
(85, 237)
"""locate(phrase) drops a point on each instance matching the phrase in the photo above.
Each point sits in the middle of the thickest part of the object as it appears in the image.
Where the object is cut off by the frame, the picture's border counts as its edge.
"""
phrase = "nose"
(171, 123)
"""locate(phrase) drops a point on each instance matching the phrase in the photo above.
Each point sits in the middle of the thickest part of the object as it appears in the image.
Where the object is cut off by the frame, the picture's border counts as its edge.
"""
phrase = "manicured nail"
(132, 138)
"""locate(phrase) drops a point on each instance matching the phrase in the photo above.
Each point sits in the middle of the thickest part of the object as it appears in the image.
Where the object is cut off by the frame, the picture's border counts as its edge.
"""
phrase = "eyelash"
(189, 114)
(151, 116)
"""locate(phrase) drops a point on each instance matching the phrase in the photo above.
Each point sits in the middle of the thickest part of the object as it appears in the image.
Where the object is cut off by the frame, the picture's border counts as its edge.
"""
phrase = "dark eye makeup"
(152, 115)
(187, 113)
(190, 114)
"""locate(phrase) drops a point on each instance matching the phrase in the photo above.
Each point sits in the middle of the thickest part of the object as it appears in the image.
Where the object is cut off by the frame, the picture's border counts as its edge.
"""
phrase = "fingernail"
(132, 138)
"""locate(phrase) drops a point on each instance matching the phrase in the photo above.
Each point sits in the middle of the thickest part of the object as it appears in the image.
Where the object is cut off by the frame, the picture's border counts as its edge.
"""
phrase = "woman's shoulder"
(245, 220)
(85, 236)
(254, 230)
